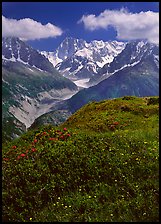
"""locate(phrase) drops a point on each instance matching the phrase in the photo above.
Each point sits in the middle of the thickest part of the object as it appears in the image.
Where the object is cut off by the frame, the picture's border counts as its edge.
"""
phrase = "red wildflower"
(14, 146)
(5, 159)
(27, 151)
(65, 129)
(22, 155)
(116, 123)
(68, 135)
(60, 132)
(34, 150)
(44, 133)
(52, 138)
(35, 140)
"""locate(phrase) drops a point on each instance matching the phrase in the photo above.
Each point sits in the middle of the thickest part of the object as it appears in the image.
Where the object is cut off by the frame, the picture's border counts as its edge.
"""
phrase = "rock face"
(30, 85)
(77, 59)
(133, 53)
(135, 71)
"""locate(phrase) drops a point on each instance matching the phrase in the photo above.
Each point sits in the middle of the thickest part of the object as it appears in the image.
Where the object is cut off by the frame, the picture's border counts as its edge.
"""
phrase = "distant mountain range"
(35, 83)
(76, 59)
(133, 72)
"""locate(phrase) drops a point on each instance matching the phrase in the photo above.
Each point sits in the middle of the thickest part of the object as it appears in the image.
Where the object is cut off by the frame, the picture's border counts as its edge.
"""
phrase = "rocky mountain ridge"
(77, 60)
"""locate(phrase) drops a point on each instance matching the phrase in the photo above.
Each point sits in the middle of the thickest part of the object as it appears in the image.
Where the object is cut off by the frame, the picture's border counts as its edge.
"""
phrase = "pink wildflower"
(14, 146)
(34, 150)
(22, 155)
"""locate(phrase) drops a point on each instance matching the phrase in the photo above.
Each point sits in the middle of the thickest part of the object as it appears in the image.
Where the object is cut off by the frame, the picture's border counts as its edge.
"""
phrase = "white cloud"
(28, 29)
(129, 26)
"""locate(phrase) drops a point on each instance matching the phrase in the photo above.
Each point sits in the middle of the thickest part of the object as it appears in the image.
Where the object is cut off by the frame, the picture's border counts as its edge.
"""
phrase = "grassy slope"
(140, 80)
(104, 167)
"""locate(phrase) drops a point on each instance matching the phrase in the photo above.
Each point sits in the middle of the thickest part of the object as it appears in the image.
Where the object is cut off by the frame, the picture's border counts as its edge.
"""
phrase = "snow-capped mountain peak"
(76, 58)
(15, 50)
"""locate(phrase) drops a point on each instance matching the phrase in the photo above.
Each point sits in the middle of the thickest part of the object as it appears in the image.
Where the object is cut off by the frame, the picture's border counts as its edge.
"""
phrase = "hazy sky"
(45, 24)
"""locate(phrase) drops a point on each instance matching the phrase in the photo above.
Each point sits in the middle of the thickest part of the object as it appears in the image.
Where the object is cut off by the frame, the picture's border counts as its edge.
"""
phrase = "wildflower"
(30, 219)
(14, 146)
(27, 151)
(18, 157)
(5, 159)
(22, 155)
(111, 214)
(70, 206)
(68, 135)
(59, 132)
(89, 196)
(35, 140)
(116, 123)
(44, 133)
(34, 150)
(65, 129)
(52, 139)
(58, 198)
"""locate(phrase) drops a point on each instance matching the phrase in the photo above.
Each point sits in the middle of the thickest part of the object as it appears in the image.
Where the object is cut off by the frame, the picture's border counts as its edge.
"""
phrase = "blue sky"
(86, 20)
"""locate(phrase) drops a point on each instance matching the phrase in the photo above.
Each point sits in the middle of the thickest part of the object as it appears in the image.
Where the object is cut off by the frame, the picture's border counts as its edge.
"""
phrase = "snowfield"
(82, 83)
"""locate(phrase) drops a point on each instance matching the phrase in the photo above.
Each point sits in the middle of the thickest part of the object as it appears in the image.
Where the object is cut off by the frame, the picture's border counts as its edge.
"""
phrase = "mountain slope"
(103, 160)
(30, 83)
(136, 74)
(139, 77)
(132, 54)
(133, 81)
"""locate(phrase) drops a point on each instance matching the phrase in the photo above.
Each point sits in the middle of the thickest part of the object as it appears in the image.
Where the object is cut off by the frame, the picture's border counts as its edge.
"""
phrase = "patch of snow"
(19, 59)
(38, 68)
(77, 70)
(127, 65)
(5, 81)
(31, 69)
(85, 52)
(9, 59)
(82, 82)
(21, 87)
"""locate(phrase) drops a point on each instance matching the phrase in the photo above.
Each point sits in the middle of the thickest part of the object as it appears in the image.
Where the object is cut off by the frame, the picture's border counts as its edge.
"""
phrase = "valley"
(35, 84)
(80, 112)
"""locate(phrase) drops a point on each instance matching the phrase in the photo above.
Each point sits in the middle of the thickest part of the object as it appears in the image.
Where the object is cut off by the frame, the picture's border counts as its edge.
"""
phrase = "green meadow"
(101, 165)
